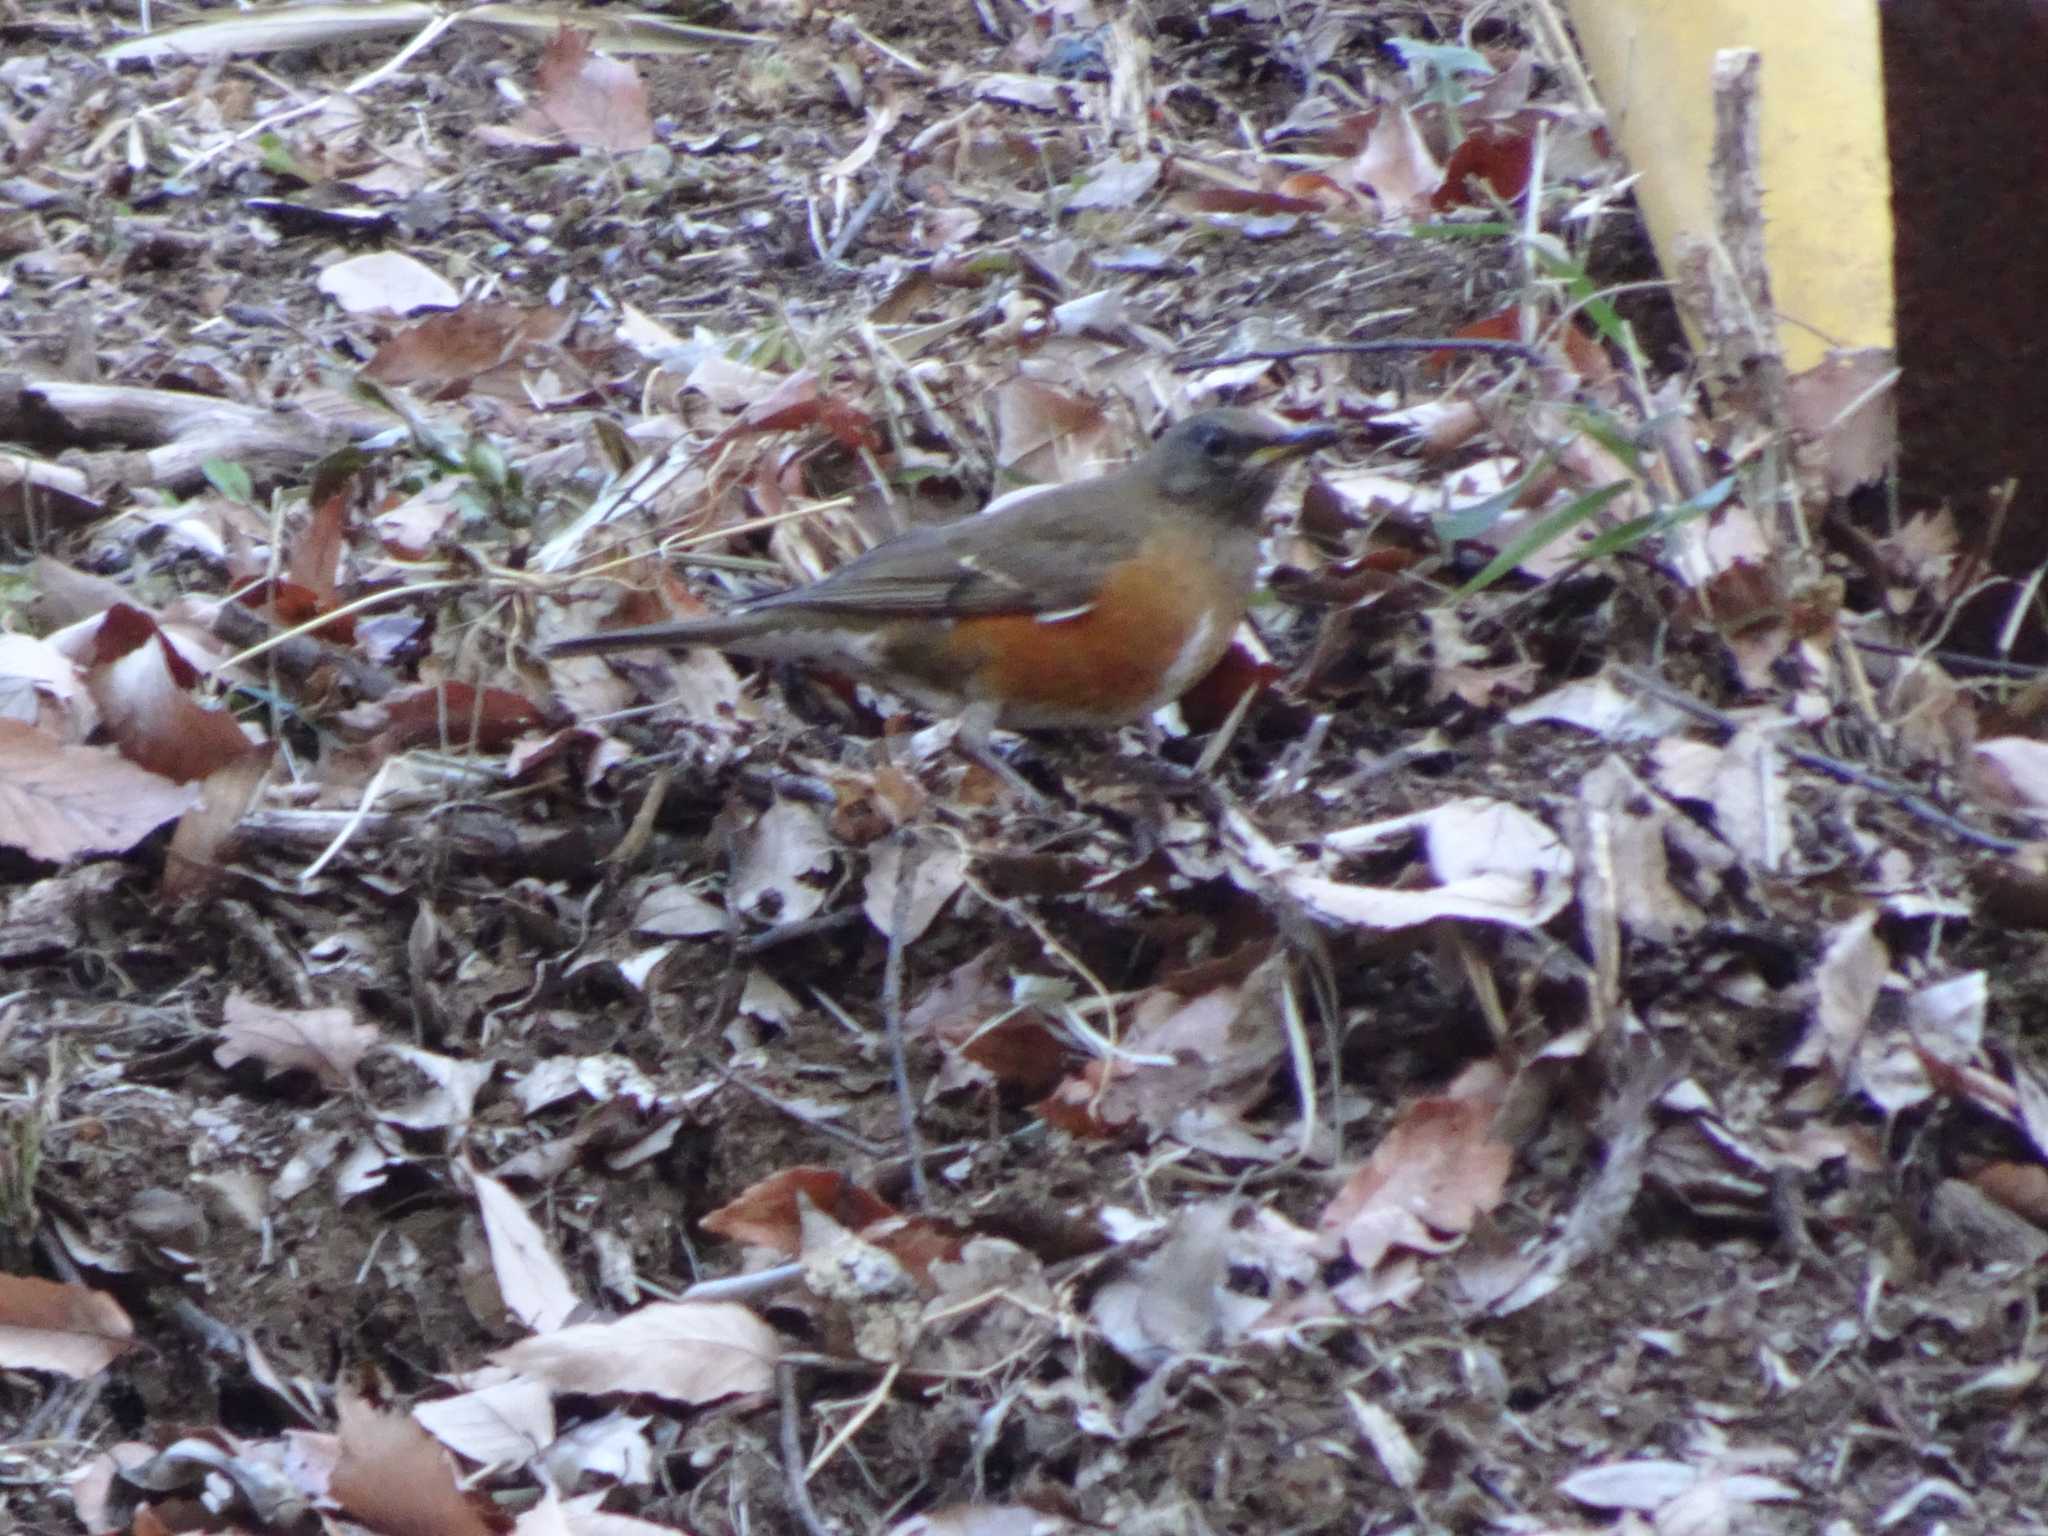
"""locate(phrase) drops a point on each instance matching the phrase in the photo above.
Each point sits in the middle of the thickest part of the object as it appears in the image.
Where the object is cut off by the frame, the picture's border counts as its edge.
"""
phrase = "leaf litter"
(1540, 1031)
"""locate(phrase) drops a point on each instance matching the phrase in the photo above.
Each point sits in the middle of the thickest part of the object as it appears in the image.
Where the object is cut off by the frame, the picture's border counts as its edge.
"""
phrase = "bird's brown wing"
(1049, 555)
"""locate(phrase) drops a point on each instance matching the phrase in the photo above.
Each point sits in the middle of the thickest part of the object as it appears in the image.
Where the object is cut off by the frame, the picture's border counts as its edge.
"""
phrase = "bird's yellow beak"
(1293, 445)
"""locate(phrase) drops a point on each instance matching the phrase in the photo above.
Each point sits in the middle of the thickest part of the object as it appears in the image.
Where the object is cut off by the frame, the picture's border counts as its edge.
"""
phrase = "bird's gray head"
(1227, 462)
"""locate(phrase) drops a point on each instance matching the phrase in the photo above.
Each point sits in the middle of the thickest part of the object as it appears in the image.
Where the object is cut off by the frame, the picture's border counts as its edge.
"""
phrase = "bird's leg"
(977, 721)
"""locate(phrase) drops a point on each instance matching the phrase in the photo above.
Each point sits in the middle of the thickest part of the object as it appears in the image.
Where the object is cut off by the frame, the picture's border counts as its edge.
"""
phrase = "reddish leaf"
(1237, 672)
(145, 706)
(316, 555)
(123, 628)
(1250, 200)
(1434, 1173)
(454, 716)
(1499, 159)
(766, 1213)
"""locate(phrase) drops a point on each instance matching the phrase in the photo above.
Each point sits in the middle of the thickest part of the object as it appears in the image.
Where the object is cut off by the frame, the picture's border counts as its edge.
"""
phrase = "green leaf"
(1440, 58)
(1473, 521)
(1486, 229)
(230, 479)
(1635, 530)
(1544, 531)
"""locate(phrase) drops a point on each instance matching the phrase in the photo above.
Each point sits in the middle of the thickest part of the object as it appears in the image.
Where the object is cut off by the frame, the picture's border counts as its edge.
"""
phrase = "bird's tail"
(723, 630)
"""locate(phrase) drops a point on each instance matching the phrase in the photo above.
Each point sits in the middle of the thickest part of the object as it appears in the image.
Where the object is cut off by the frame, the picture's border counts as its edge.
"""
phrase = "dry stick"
(793, 1452)
(908, 856)
(858, 221)
(810, 927)
(825, 1128)
(1390, 344)
(1956, 661)
(302, 655)
(1908, 798)
(641, 832)
(869, 1406)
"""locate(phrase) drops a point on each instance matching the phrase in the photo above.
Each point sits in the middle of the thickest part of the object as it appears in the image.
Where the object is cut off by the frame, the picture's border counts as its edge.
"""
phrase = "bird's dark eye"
(1216, 446)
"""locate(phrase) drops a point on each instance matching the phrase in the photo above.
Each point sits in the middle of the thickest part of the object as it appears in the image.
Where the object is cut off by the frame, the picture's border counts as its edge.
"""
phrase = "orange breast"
(1158, 624)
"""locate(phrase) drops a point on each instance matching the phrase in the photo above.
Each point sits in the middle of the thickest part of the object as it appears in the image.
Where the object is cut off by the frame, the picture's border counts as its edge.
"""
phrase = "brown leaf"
(1437, 1169)
(141, 690)
(192, 863)
(597, 103)
(460, 344)
(58, 801)
(452, 716)
(324, 1041)
(69, 1329)
(316, 555)
(766, 1214)
(2021, 1188)
(1187, 1064)
(394, 1477)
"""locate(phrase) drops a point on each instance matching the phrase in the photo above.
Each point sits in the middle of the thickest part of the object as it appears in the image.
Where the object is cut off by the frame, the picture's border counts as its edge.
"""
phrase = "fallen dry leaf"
(394, 1477)
(769, 1213)
(58, 801)
(688, 1352)
(327, 1042)
(536, 1288)
(386, 282)
(1435, 1171)
(69, 1329)
(596, 102)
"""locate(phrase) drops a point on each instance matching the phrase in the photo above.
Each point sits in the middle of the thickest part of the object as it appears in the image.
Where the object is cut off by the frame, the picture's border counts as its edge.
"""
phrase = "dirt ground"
(1683, 1201)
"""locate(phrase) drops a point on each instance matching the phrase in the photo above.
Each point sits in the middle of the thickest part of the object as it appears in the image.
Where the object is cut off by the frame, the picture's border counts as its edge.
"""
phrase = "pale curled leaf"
(783, 864)
(985, 1520)
(503, 1424)
(1389, 1441)
(324, 1041)
(1639, 1485)
(386, 282)
(451, 1099)
(614, 1447)
(688, 1352)
(536, 1288)
(936, 874)
(1494, 863)
(69, 1329)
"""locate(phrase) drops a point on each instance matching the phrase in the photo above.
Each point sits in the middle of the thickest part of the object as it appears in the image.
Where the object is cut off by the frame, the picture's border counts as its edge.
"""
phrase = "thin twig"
(877, 1396)
(909, 853)
(793, 1452)
(859, 219)
(1391, 344)
(1956, 661)
(825, 1128)
(744, 1287)
(1908, 799)
(807, 928)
